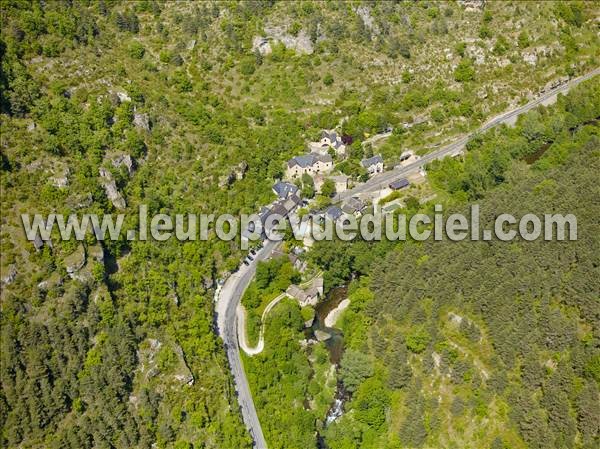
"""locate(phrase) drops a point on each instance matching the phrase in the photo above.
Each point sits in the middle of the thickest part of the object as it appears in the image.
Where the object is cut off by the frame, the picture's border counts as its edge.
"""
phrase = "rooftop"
(377, 159)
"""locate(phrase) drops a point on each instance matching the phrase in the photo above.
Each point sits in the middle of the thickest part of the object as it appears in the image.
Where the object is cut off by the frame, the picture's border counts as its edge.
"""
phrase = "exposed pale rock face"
(365, 15)
(80, 201)
(111, 190)
(141, 121)
(75, 261)
(530, 58)
(126, 160)
(11, 274)
(60, 182)
(241, 170)
(262, 45)
(300, 43)
(476, 53)
(472, 5)
(122, 96)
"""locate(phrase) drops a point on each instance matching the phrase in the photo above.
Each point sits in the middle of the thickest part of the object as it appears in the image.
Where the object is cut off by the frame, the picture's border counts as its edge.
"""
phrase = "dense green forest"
(112, 345)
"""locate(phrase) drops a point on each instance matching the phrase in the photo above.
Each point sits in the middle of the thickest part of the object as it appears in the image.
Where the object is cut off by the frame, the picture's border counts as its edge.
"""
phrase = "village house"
(310, 164)
(329, 139)
(353, 206)
(280, 208)
(284, 189)
(310, 296)
(333, 213)
(340, 182)
(373, 164)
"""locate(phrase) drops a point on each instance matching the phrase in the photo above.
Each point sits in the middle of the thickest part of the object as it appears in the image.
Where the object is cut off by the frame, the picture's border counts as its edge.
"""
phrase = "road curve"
(241, 321)
(227, 302)
(382, 180)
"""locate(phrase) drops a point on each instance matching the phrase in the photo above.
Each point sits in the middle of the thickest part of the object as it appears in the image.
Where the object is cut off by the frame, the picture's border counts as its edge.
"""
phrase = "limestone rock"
(141, 121)
(126, 160)
(530, 58)
(262, 45)
(241, 170)
(365, 15)
(322, 335)
(10, 275)
(112, 192)
(75, 261)
(80, 201)
(300, 43)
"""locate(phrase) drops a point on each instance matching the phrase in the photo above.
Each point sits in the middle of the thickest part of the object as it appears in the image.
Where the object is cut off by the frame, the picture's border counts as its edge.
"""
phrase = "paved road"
(233, 289)
(382, 180)
(227, 302)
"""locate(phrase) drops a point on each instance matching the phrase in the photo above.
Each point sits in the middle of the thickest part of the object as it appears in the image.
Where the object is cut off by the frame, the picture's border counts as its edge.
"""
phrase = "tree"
(308, 186)
(328, 188)
(355, 368)
(465, 71)
(328, 79)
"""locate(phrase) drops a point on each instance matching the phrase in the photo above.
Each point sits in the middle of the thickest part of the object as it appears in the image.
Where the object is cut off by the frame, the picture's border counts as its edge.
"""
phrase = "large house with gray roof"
(373, 164)
(329, 139)
(311, 164)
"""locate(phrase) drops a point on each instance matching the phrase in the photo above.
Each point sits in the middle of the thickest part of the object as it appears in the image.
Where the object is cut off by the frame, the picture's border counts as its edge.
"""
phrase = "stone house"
(311, 164)
(373, 164)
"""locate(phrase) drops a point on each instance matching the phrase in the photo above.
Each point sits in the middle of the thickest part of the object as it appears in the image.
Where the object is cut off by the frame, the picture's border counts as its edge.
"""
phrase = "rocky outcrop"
(110, 187)
(240, 170)
(75, 261)
(10, 275)
(141, 121)
(262, 45)
(335, 314)
(53, 281)
(80, 201)
(472, 5)
(365, 15)
(124, 160)
(174, 375)
(300, 43)
(237, 173)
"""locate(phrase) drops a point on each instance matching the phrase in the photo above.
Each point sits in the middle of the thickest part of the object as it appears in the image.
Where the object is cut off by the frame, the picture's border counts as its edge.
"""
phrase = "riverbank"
(336, 313)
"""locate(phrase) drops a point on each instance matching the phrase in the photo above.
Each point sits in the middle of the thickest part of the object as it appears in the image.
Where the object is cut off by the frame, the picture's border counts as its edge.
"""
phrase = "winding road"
(232, 290)
(227, 302)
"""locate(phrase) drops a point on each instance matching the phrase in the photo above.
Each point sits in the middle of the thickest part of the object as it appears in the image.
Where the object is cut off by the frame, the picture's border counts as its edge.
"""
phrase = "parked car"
(246, 262)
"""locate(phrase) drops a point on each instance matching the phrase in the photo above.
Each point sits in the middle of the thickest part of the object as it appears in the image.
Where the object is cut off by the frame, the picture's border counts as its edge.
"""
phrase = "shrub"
(136, 50)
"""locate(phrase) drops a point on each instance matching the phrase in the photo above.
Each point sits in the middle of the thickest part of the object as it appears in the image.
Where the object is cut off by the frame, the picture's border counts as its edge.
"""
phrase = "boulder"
(75, 261)
(322, 335)
(80, 201)
(122, 96)
(365, 15)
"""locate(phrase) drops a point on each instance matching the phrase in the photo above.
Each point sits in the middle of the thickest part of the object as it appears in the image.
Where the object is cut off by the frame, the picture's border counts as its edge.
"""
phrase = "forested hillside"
(111, 104)
(456, 344)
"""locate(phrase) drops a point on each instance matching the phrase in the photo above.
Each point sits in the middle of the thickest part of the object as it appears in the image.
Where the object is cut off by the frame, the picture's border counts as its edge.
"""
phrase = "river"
(335, 346)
